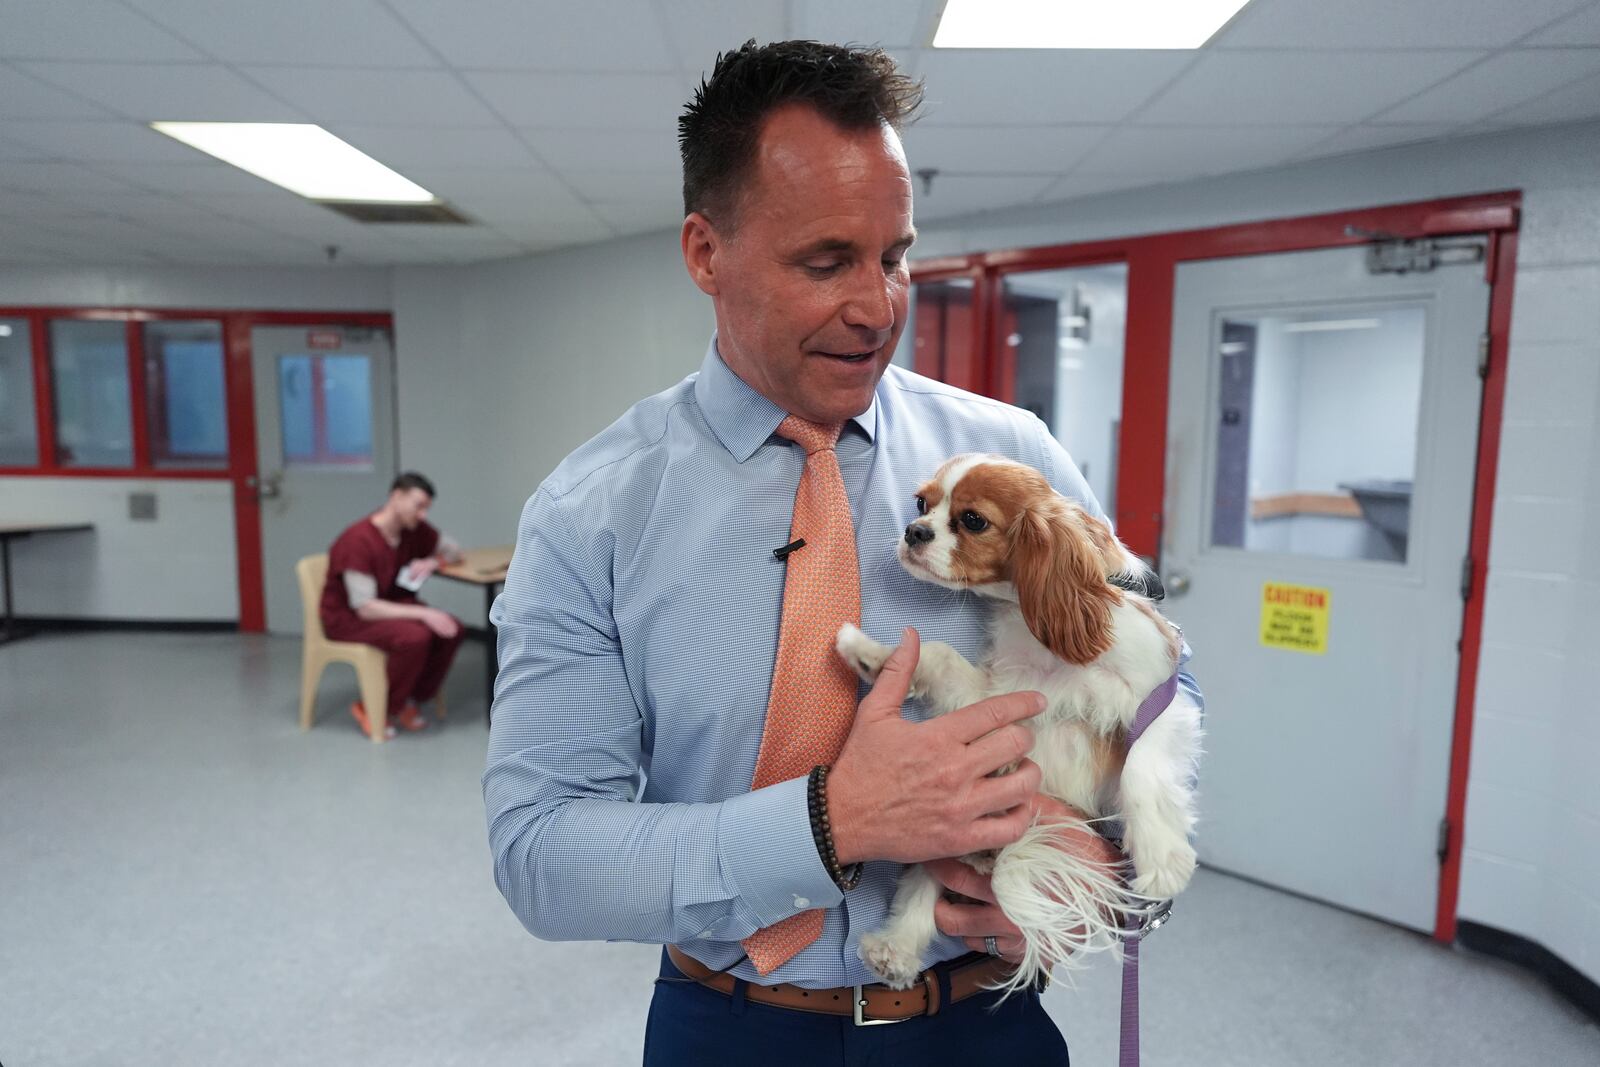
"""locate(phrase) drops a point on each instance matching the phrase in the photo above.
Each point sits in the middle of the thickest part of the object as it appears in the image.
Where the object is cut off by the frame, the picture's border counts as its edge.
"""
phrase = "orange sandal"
(359, 713)
(411, 719)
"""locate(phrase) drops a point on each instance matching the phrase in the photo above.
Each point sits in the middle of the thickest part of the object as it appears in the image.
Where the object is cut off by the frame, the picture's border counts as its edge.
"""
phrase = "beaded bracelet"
(822, 832)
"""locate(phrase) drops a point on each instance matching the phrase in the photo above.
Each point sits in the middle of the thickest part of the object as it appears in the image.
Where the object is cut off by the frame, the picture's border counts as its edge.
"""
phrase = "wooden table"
(485, 567)
(16, 531)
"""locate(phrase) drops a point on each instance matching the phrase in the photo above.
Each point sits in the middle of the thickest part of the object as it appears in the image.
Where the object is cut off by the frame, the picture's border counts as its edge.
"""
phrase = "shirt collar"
(742, 418)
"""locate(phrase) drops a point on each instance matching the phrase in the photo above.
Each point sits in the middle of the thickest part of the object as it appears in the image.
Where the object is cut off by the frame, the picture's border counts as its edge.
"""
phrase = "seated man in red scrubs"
(374, 568)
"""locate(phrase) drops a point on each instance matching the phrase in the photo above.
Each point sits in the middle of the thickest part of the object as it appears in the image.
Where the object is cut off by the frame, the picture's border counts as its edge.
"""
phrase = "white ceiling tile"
(48, 177)
(462, 185)
(408, 97)
(1571, 104)
(1077, 184)
(569, 229)
(357, 33)
(584, 101)
(1291, 87)
(108, 142)
(136, 204)
(1387, 24)
(1581, 27)
(13, 152)
(407, 147)
(620, 35)
(1499, 82)
(200, 92)
(84, 29)
(700, 29)
(29, 204)
(24, 97)
(885, 23)
(1367, 138)
(1041, 87)
(641, 217)
(600, 185)
(650, 152)
(1198, 150)
(999, 149)
(955, 194)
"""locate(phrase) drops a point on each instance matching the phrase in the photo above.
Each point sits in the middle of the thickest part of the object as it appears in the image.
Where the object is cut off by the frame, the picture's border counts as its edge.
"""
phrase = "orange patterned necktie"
(813, 699)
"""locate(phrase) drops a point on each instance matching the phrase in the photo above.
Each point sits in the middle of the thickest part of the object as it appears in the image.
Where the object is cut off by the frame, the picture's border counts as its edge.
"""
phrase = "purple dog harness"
(1128, 1049)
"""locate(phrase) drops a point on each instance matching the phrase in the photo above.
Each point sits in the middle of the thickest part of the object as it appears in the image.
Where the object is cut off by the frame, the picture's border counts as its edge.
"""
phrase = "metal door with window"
(1323, 425)
(325, 437)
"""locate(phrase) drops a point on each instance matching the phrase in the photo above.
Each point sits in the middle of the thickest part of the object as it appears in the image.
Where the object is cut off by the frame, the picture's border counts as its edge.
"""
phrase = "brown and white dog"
(1096, 651)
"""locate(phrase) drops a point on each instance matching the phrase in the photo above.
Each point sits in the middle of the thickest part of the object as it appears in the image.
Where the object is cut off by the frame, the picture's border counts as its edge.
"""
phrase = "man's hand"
(442, 623)
(918, 791)
(974, 922)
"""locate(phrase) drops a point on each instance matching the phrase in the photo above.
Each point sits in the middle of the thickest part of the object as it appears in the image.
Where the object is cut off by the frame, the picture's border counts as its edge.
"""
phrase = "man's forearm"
(658, 873)
(377, 610)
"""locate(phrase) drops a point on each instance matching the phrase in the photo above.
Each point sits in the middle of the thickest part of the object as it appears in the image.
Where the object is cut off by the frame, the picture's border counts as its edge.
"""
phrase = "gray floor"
(187, 878)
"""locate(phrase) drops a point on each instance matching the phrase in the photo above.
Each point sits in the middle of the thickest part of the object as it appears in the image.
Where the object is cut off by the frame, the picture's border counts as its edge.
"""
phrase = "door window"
(19, 443)
(325, 404)
(1316, 431)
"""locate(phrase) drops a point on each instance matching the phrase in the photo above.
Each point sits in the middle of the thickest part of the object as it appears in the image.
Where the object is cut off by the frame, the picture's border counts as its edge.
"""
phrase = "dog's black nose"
(918, 533)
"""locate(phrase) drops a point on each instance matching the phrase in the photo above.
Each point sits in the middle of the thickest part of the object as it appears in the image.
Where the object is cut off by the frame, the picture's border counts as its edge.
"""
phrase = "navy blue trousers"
(692, 1026)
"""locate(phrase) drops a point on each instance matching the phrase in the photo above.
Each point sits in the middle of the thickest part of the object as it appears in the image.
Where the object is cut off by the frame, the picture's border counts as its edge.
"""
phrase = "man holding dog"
(670, 609)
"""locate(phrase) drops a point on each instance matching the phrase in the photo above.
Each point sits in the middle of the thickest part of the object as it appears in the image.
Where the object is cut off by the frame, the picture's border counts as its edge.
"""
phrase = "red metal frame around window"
(1152, 262)
(238, 380)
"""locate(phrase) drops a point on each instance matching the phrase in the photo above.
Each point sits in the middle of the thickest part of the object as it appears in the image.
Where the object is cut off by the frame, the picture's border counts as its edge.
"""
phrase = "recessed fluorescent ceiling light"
(302, 158)
(1082, 23)
(1322, 325)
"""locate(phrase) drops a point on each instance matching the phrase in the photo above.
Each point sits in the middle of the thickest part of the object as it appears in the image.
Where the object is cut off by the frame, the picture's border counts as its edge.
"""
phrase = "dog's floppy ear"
(1059, 574)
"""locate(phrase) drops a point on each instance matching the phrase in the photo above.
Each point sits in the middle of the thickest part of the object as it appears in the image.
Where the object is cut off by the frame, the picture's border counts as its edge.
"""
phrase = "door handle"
(1177, 583)
(268, 488)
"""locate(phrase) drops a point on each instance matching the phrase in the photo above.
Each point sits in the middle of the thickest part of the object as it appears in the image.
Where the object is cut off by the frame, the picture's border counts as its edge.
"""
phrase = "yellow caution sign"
(1294, 617)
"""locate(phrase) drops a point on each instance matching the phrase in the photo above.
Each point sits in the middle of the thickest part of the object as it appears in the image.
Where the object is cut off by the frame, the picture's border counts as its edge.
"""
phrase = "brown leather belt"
(868, 1003)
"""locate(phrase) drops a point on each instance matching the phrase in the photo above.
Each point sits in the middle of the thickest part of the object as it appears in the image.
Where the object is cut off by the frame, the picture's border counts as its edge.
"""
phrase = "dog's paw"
(890, 959)
(982, 862)
(1163, 863)
(860, 652)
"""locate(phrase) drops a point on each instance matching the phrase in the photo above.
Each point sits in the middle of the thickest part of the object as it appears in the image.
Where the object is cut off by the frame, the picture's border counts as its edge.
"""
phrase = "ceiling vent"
(379, 211)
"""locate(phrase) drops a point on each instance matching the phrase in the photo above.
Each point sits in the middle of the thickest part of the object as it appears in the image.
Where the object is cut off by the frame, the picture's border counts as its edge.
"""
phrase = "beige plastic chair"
(317, 652)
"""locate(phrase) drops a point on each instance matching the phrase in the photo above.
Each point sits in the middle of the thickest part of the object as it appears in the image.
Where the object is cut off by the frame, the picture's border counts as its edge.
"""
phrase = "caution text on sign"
(1294, 617)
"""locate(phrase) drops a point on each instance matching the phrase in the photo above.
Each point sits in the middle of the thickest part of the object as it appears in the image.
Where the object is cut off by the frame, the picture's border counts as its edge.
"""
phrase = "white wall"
(505, 367)
(233, 288)
(179, 566)
(182, 566)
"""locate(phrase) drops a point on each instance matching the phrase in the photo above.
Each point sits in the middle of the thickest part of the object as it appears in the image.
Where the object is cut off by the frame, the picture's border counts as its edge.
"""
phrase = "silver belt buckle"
(858, 1003)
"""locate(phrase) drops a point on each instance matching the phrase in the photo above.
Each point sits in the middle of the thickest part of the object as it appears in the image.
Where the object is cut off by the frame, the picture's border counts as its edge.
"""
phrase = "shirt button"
(802, 903)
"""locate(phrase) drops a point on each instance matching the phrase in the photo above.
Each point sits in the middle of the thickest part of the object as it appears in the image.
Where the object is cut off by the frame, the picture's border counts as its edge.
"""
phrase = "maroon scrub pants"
(418, 658)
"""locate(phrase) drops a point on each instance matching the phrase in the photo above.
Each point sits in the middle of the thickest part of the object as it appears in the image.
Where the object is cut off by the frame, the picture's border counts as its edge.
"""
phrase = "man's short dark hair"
(855, 88)
(411, 480)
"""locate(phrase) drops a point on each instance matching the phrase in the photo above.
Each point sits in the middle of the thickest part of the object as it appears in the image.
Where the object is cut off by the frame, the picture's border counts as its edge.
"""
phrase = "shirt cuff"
(764, 838)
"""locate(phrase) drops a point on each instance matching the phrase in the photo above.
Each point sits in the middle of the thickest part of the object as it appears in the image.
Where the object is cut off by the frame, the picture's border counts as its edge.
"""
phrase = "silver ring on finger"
(991, 946)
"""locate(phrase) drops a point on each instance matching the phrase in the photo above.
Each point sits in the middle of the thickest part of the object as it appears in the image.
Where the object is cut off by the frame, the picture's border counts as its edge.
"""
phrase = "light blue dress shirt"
(638, 628)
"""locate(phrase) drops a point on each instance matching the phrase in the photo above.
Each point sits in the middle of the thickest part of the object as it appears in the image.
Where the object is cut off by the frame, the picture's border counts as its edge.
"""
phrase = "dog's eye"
(974, 522)
(922, 506)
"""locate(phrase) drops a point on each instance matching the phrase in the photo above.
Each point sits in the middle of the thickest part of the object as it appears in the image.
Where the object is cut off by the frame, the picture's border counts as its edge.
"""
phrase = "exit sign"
(324, 339)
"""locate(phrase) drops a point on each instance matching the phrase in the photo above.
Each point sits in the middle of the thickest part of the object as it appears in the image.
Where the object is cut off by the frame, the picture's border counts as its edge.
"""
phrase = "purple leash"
(1128, 1049)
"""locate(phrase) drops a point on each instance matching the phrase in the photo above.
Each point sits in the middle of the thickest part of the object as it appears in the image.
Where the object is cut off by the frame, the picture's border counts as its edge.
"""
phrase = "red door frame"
(238, 380)
(1152, 262)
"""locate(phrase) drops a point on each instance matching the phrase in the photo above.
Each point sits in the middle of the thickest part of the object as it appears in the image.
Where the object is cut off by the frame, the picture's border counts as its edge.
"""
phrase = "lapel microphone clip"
(781, 554)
